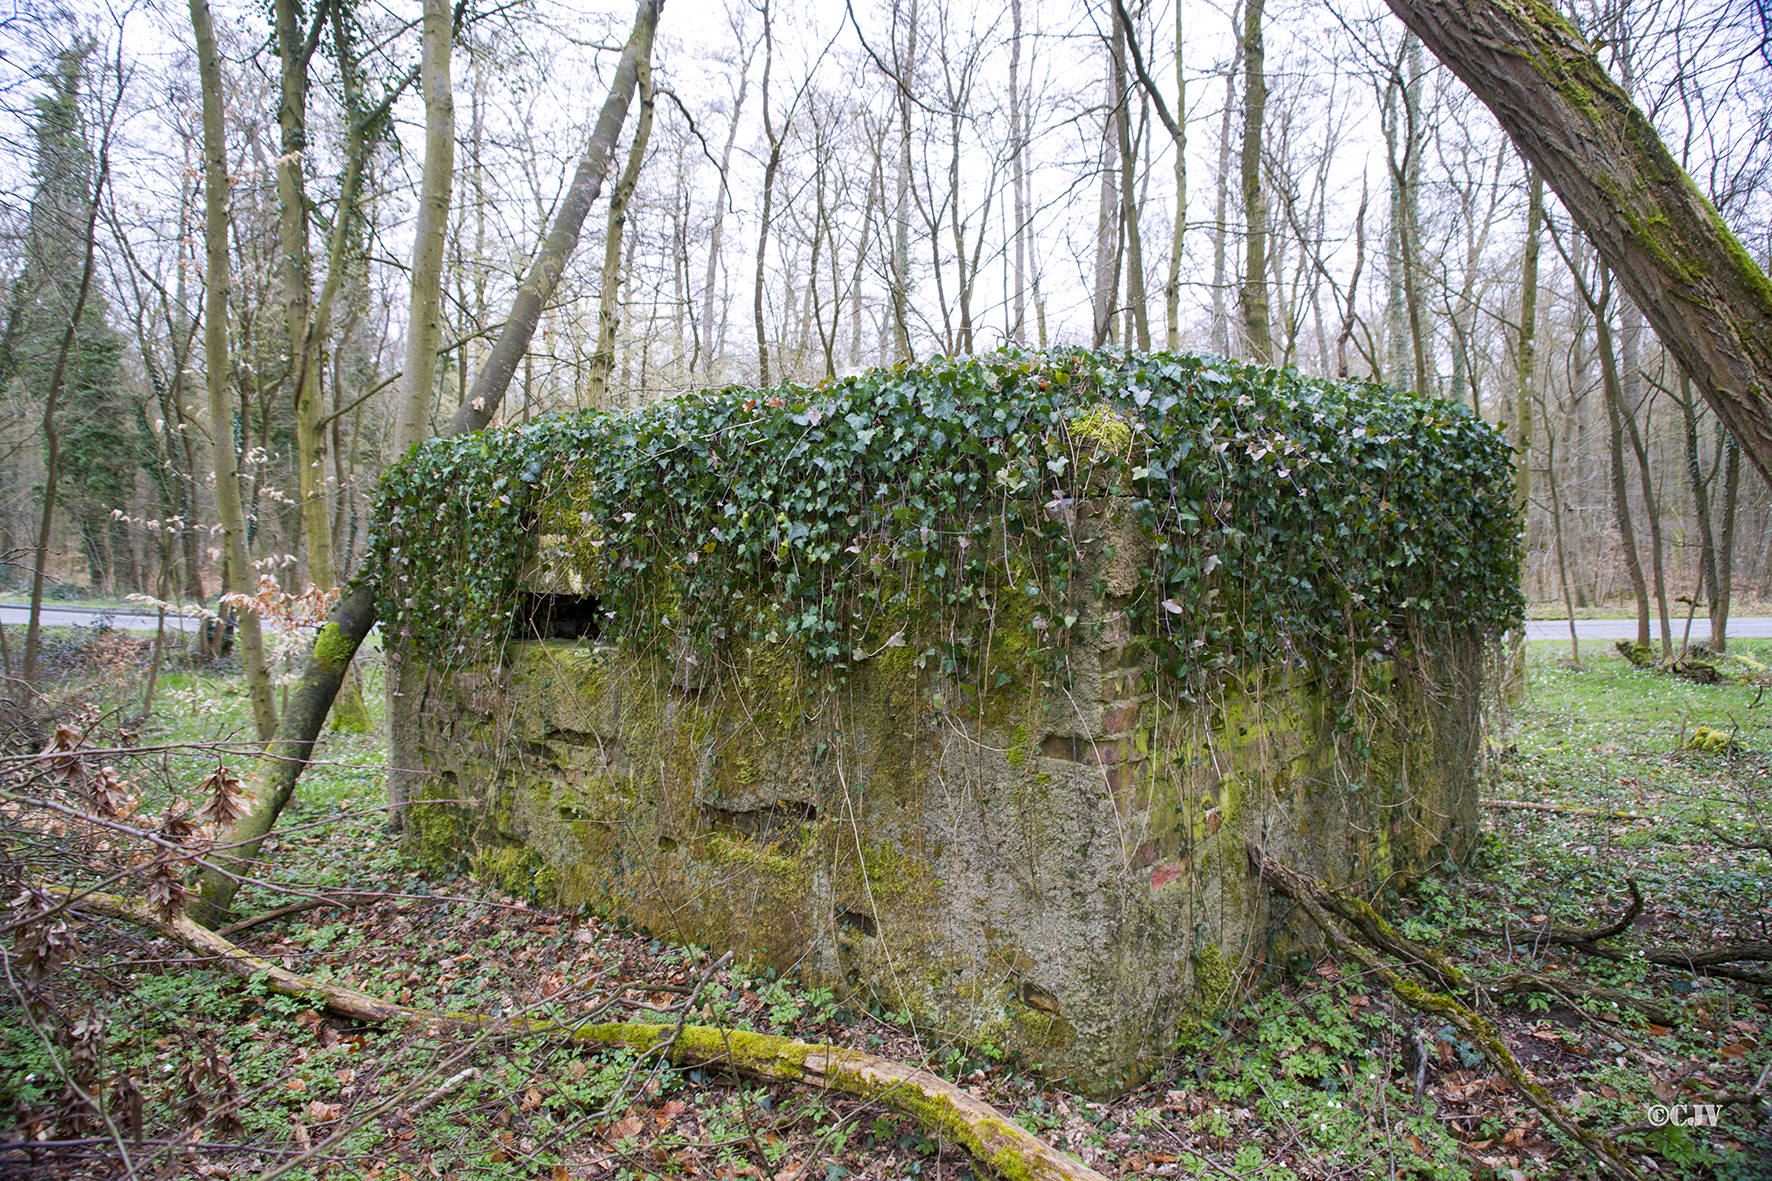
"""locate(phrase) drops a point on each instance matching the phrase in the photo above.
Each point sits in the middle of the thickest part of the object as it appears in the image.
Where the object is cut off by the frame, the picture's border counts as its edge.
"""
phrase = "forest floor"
(134, 1058)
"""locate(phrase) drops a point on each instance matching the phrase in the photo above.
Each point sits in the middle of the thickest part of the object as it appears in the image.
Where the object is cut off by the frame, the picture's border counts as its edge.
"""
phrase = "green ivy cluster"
(1289, 518)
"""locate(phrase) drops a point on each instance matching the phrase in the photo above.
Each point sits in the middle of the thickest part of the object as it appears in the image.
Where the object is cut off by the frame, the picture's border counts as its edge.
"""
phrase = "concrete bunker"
(959, 687)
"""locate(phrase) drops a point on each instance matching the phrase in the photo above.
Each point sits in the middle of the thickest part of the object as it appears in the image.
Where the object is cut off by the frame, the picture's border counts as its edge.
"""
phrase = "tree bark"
(430, 231)
(1630, 384)
(901, 211)
(710, 365)
(1135, 293)
(1018, 177)
(1556, 506)
(1255, 309)
(354, 615)
(1719, 607)
(1701, 507)
(1526, 361)
(769, 171)
(562, 238)
(1109, 223)
(1221, 329)
(1615, 413)
(217, 370)
(1710, 304)
(608, 299)
(51, 439)
(295, 48)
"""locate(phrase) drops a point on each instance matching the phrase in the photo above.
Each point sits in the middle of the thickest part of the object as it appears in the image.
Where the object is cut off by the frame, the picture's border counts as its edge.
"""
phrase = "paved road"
(56, 616)
(1747, 628)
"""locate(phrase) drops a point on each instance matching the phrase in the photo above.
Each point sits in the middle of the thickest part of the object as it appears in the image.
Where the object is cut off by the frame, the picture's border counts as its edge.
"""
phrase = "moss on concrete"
(918, 839)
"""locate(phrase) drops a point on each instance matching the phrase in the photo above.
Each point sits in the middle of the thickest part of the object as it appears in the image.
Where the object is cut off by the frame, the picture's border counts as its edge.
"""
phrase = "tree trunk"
(1556, 506)
(1351, 315)
(1135, 293)
(430, 232)
(1109, 227)
(1710, 304)
(1221, 328)
(354, 614)
(1172, 288)
(769, 171)
(901, 213)
(1630, 383)
(1615, 414)
(51, 439)
(717, 229)
(217, 370)
(562, 238)
(295, 47)
(1701, 507)
(1414, 143)
(1017, 178)
(1255, 309)
(1719, 606)
(1650, 502)
(608, 299)
(1526, 359)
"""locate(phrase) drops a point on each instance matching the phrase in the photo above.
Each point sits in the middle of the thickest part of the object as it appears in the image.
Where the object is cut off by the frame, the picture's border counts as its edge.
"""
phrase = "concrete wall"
(1055, 870)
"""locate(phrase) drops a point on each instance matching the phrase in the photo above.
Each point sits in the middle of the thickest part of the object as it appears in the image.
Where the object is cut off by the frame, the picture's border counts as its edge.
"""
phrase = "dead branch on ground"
(1318, 902)
(1565, 809)
(995, 1140)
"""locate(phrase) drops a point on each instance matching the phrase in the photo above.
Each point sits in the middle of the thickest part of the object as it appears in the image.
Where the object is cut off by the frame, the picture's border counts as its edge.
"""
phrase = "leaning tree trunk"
(495, 375)
(311, 697)
(1710, 305)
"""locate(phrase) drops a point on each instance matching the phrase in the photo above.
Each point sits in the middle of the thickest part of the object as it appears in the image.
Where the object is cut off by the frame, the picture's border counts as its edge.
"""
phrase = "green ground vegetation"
(125, 1046)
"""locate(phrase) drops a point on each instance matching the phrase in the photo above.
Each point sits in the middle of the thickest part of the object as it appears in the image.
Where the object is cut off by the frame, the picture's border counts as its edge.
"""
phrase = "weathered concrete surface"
(1055, 871)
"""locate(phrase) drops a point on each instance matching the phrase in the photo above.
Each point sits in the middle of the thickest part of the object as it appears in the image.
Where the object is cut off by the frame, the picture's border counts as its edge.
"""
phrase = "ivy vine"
(1288, 518)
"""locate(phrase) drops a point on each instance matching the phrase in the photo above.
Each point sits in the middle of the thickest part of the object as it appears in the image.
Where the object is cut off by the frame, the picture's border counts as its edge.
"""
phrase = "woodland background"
(806, 191)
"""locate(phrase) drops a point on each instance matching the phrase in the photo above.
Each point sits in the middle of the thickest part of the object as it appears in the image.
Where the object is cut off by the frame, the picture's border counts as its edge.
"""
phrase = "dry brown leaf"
(324, 1113)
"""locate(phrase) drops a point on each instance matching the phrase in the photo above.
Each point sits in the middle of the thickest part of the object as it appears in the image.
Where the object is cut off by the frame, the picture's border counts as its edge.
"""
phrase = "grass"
(1311, 1072)
(1742, 606)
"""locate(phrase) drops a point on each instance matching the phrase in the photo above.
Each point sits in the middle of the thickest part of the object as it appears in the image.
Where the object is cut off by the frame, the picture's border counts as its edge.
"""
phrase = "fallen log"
(345, 1002)
(1564, 990)
(1577, 936)
(994, 1140)
(1565, 809)
(1315, 901)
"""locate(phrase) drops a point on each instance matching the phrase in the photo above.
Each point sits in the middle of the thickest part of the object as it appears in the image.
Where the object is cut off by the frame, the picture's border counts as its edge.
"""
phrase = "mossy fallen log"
(1566, 809)
(1689, 666)
(943, 1109)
